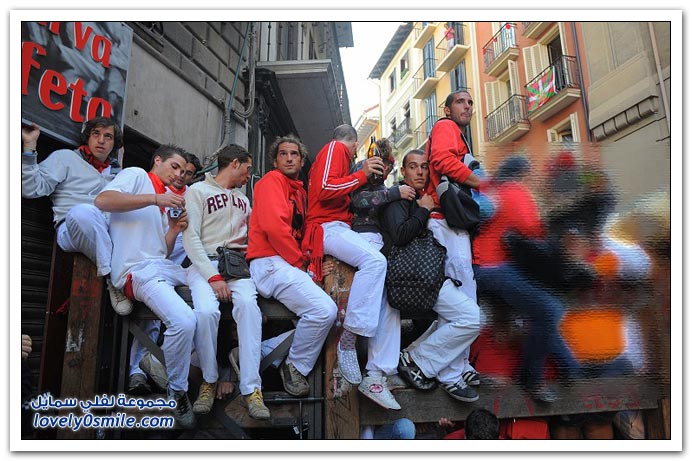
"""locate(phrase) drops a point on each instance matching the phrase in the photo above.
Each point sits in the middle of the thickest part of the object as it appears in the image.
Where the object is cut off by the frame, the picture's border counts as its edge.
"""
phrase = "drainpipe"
(664, 96)
(581, 83)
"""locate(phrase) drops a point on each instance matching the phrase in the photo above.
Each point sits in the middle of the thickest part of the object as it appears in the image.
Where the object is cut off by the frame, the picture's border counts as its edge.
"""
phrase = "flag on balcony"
(541, 90)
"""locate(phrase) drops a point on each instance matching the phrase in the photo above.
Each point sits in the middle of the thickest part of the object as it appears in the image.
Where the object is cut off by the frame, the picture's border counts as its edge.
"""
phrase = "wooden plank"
(341, 418)
(284, 409)
(507, 401)
(50, 374)
(658, 421)
(81, 359)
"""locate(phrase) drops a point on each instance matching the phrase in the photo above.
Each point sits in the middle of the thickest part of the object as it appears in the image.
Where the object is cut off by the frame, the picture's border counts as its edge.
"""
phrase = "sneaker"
(394, 382)
(205, 399)
(413, 374)
(348, 365)
(184, 417)
(542, 393)
(461, 391)
(155, 369)
(137, 385)
(121, 305)
(294, 382)
(375, 388)
(471, 377)
(234, 358)
(255, 405)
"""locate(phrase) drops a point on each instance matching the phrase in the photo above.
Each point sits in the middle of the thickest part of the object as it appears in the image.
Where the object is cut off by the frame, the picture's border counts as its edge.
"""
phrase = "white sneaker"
(376, 390)
(121, 305)
(155, 369)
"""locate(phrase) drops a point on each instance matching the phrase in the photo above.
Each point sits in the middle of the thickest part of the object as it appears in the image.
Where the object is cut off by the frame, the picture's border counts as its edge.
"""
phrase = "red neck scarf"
(159, 186)
(93, 161)
(177, 191)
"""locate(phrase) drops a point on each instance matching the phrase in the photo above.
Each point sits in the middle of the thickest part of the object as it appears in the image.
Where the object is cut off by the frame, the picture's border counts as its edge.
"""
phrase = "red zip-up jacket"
(271, 232)
(328, 197)
(448, 149)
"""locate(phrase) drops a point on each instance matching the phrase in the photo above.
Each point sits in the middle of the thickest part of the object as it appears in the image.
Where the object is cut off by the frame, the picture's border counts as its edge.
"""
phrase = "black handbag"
(232, 264)
(460, 209)
(415, 274)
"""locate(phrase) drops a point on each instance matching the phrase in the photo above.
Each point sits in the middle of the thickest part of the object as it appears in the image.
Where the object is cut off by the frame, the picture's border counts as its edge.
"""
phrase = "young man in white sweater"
(218, 214)
(72, 179)
(143, 233)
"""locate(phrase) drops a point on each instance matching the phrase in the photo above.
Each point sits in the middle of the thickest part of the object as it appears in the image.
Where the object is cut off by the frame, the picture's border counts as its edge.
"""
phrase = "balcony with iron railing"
(422, 31)
(502, 47)
(423, 130)
(509, 121)
(534, 29)
(425, 79)
(452, 48)
(553, 89)
(402, 134)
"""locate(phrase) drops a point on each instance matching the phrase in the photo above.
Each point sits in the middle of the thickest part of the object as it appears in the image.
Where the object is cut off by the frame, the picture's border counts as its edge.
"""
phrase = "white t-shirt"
(138, 236)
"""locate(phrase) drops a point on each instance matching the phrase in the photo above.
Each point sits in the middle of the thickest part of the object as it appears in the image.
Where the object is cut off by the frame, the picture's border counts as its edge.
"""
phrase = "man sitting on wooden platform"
(278, 265)
(143, 234)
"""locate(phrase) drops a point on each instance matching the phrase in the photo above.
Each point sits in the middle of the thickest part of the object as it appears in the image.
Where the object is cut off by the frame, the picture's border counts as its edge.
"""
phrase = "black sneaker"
(460, 391)
(413, 374)
(471, 377)
(542, 393)
(184, 417)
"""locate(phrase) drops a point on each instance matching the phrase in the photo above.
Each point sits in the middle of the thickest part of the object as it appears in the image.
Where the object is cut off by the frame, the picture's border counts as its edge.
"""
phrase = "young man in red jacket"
(328, 231)
(277, 264)
(448, 147)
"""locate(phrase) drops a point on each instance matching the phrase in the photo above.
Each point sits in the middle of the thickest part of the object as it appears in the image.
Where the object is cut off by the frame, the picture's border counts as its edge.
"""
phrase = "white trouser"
(248, 319)
(153, 283)
(458, 266)
(365, 299)
(383, 348)
(151, 328)
(178, 252)
(85, 230)
(277, 279)
(458, 326)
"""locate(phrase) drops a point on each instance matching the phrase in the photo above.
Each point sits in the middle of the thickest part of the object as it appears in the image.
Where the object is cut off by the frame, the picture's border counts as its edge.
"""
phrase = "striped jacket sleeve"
(334, 179)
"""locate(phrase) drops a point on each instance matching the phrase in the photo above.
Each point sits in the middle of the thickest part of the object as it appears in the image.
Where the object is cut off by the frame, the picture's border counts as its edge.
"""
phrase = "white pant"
(85, 230)
(153, 283)
(277, 279)
(248, 319)
(365, 299)
(383, 348)
(458, 326)
(458, 267)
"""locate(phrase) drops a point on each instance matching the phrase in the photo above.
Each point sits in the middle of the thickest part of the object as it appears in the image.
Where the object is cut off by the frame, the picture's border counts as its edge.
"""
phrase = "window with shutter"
(514, 78)
(574, 122)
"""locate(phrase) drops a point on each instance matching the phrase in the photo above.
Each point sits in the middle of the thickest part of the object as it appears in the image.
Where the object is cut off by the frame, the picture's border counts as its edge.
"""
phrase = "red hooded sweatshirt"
(328, 197)
(271, 232)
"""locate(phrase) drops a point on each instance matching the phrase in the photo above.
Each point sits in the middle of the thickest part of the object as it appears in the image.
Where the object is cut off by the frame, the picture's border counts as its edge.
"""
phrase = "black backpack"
(415, 274)
(460, 209)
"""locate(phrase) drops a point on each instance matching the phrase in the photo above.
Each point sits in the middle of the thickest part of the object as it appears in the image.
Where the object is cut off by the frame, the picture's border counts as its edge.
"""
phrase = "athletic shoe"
(155, 369)
(348, 365)
(121, 304)
(375, 388)
(234, 358)
(255, 405)
(542, 393)
(205, 399)
(294, 382)
(394, 382)
(137, 385)
(461, 391)
(413, 374)
(471, 377)
(184, 417)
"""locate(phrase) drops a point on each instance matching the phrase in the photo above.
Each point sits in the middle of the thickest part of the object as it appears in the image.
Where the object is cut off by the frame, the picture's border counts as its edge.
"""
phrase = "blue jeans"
(544, 311)
(401, 429)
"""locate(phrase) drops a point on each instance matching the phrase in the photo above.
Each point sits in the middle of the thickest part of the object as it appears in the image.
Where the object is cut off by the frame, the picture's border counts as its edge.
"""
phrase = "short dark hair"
(166, 151)
(345, 133)
(105, 122)
(290, 138)
(481, 425)
(192, 158)
(385, 148)
(450, 96)
(412, 151)
(230, 153)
